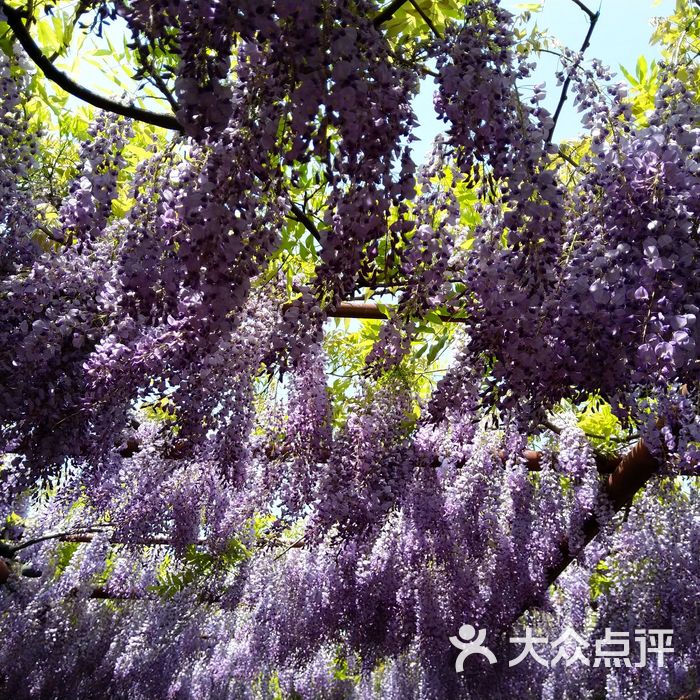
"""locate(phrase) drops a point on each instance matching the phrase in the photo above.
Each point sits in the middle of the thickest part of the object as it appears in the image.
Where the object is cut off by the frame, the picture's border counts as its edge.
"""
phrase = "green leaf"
(632, 80)
(641, 68)
(436, 349)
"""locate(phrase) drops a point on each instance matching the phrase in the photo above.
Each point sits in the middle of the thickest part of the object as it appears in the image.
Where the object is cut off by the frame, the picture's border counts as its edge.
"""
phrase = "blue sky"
(620, 37)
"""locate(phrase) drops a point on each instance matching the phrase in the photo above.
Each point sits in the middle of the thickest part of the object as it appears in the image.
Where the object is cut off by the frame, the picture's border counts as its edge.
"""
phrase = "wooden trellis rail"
(371, 310)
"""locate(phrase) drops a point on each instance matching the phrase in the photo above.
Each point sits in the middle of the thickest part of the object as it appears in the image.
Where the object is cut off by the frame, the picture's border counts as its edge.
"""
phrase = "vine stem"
(593, 20)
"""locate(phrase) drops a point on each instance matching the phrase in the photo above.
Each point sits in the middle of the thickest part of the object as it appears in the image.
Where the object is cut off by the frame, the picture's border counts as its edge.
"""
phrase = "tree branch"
(140, 541)
(628, 475)
(165, 121)
(370, 310)
(51, 235)
(426, 19)
(14, 20)
(302, 217)
(533, 461)
(8, 550)
(593, 17)
(156, 80)
(388, 12)
(568, 159)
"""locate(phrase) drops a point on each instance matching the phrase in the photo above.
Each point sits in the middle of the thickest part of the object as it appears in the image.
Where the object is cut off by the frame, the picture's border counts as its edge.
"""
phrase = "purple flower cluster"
(248, 545)
(18, 215)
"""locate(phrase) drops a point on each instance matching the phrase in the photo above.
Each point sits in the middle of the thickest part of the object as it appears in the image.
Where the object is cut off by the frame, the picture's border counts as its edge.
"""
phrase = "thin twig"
(294, 544)
(549, 51)
(591, 15)
(157, 81)
(568, 159)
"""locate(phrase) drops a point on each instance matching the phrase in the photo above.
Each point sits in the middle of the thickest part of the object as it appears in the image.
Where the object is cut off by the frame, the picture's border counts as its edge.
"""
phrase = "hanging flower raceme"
(18, 214)
(47, 336)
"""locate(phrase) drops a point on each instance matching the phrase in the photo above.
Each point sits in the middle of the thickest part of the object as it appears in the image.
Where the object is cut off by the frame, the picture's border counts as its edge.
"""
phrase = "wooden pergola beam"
(533, 461)
(371, 310)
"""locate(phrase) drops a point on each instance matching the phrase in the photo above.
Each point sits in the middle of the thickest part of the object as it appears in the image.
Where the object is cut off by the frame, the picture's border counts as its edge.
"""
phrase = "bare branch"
(63, 536)
(140, 541)
(568, 159)
(370, 310)
(293, 545)
(593, 16)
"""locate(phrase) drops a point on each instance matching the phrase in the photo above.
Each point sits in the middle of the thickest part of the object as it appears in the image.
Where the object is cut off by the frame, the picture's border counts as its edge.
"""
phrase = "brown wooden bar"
(371, 310)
